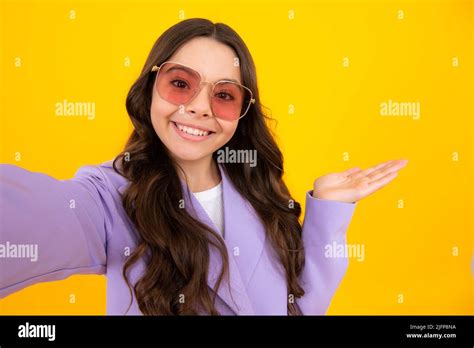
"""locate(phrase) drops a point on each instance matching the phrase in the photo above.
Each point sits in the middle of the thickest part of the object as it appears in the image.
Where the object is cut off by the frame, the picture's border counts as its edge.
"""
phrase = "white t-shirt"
(211, 201)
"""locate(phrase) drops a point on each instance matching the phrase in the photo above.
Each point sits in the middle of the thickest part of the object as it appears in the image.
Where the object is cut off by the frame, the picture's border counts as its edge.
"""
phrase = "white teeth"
(192, 131)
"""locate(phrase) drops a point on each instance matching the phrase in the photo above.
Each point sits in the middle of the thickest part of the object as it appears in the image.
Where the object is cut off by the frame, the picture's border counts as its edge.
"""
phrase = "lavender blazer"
(80, 227)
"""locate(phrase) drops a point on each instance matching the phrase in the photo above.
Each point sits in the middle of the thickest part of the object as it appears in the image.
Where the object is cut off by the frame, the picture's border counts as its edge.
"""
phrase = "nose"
(200, 105)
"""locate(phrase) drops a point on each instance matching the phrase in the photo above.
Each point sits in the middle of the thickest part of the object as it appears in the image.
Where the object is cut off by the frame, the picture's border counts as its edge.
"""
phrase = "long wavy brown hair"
(175, 245)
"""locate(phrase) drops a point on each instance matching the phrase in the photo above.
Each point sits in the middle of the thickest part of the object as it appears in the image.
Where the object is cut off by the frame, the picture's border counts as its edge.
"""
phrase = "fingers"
(377, 167)
(371, 169)
(390, 168)
(382, 181)
(377, 176)
(352, 171)
(376, 172)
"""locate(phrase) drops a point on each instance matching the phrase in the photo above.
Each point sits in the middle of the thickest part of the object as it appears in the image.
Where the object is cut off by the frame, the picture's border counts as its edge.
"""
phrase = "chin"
(189, 156)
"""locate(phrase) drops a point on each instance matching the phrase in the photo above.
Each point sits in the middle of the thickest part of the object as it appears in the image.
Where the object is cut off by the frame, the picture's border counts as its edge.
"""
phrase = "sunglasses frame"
(157, 69)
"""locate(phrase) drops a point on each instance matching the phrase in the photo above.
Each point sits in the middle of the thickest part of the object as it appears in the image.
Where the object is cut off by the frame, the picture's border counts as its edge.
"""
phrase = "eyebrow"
(180, 67)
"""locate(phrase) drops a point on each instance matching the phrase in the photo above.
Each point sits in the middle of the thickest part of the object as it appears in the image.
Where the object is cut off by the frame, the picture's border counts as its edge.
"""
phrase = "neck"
(202, 174)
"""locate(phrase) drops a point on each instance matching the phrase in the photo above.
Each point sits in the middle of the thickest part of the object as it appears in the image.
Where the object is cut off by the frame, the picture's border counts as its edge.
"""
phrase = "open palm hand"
(354, 184)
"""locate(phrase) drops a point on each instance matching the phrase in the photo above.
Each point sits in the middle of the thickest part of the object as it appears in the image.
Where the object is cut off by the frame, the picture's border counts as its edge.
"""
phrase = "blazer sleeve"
(325, 223)
(51, 229)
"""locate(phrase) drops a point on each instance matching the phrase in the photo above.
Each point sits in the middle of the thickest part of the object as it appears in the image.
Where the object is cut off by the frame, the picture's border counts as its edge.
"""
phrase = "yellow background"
(409, 266)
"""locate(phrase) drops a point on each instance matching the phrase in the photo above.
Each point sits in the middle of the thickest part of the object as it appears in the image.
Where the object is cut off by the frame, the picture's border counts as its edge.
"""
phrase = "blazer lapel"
(244, 232)
(244, 240)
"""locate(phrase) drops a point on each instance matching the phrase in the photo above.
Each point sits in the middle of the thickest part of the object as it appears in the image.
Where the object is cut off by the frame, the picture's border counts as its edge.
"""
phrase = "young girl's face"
(214, 61)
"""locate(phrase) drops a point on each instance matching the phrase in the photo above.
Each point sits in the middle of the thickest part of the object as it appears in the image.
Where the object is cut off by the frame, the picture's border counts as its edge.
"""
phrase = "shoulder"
(103, 174)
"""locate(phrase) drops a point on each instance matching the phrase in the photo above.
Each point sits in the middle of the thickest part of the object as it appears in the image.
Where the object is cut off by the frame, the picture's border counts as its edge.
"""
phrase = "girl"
(176, 228)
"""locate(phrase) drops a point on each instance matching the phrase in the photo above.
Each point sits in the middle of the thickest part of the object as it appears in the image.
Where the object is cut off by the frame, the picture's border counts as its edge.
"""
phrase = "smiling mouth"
(192, 131)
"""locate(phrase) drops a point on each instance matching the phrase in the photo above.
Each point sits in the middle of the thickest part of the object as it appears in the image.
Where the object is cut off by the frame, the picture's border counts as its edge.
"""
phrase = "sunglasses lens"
(229, 100)
(176, 83)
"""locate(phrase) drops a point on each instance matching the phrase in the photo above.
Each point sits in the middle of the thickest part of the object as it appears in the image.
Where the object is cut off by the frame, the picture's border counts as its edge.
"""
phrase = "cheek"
(159, 114)
(228, 129)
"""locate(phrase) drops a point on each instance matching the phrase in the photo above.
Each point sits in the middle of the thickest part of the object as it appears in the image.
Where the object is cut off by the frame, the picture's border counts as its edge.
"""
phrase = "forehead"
(212, 59)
